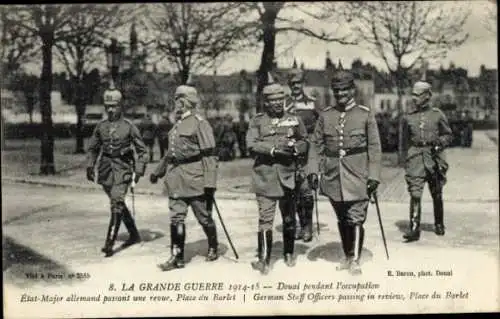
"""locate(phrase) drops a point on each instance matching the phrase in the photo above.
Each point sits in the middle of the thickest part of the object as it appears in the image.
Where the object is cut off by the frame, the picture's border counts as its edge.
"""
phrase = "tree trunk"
(399, 84)
(266, 61)
(47, 166)
(80, 112)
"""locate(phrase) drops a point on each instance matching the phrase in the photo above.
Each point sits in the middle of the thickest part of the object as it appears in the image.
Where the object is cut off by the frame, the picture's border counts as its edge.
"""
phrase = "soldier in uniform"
(303, 106)
(115, 139)
(190, 170)
(148, 132)
(348, 143)
(164, 127)
(276, 140)
(241, 129)
(426, 133)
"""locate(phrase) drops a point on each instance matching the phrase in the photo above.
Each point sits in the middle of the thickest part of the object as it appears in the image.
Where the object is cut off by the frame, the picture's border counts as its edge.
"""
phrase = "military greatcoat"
(270, 175)
(348, 144)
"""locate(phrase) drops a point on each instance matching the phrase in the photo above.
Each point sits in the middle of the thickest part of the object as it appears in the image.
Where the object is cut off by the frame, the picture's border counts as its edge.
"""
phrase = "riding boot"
(345, 237)
(288, 245)
(299, 228)
(211, 233)
(415, 213)
(437, 201)
(266, 242)
(177, 238)
(359, 234)
(129, 222)
(114, 227)
(308, 211)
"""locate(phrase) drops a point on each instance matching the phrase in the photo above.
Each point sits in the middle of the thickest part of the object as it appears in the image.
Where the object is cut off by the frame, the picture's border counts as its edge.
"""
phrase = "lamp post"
(114, 54)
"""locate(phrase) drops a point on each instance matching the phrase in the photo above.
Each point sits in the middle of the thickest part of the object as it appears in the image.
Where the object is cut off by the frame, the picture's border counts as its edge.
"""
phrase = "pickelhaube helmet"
(342, 79)
(112, 96)
(295, 74)
(421, 87)
(187, 92)
(272, 90)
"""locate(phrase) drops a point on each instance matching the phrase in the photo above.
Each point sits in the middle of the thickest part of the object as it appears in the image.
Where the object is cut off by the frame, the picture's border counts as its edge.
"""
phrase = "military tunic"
(274, 179)
(115, 141)
(421, 130)
(190, 166)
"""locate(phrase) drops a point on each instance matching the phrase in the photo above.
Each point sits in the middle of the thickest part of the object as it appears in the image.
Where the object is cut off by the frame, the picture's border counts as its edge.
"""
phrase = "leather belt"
(178, 161)
(346, 151)
(421, 144)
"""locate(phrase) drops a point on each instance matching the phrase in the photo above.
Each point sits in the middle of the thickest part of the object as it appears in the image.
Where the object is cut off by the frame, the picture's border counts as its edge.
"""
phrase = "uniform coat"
(269, 175)
(349, 151)
(114, 142)
(190, 164)
(421, 129)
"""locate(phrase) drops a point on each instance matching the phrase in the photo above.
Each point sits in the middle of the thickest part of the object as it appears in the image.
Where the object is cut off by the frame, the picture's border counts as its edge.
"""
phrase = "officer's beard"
(276, 110)
(114, 115)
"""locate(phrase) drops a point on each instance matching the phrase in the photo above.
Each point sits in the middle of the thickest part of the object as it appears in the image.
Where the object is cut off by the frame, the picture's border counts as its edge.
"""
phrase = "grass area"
(21, 158)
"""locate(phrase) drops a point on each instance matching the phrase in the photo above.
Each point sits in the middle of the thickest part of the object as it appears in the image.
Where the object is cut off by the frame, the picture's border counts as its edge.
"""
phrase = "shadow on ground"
(20, 260)
(404, 225)
(279, 228)
(332, 252)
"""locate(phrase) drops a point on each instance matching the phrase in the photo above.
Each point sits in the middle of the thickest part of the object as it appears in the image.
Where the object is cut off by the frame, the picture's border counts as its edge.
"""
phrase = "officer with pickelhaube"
(275, 139)
(426, 133)
(302, 105)
(348, 143)
(190, 169)
(116, 138)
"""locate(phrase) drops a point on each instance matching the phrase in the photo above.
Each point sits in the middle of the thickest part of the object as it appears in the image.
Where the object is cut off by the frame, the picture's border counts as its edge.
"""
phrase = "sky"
(480, 48)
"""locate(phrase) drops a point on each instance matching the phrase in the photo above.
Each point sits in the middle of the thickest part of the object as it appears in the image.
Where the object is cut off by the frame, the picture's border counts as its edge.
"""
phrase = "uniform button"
(341, 144)
(341, 131)
(342, 153)
(341, 137)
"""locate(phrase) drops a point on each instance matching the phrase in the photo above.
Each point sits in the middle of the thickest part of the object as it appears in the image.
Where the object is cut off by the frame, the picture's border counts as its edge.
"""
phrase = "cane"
(380, 223)
(225, 230)
(316, 204)
(132, 187)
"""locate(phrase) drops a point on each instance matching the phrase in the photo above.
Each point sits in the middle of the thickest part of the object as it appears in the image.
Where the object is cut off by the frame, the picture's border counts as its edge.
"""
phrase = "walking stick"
(225, 230)
(316, 204)
(132, 187)
(380, 223)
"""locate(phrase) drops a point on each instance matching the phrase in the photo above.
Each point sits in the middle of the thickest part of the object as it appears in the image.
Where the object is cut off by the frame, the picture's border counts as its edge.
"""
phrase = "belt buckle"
(342, 153)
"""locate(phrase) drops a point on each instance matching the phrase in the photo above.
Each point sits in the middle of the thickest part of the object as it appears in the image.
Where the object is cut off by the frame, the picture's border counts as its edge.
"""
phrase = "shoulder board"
(309, 97)
(128, 121)
(259, 114)
(199, 117)
(436, 109)
(366, 108)
(328, 108)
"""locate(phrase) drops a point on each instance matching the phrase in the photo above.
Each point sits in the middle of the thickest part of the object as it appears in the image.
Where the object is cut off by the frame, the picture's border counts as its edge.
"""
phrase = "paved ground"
(61, 230)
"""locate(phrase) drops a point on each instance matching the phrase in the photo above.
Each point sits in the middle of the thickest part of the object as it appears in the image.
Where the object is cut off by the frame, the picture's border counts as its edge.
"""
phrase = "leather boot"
(266, 243)
(113, 228)
(359, 234)
(177, 238)
(299, 228)
(437, 201)
(129, 222)
(308, 212)
(288, 245)
(415, 212)
(211, 233)
(345, 237)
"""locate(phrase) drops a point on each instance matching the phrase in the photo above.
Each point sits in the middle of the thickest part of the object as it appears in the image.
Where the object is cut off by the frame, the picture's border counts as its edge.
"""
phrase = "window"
(382, 105)
(389, 104)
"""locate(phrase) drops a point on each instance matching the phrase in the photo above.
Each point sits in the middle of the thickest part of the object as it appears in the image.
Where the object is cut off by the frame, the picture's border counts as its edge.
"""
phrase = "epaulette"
(259, 114)
(310, 97)
(366, 108)
(328, 108)
(128, 121)
(199, 117)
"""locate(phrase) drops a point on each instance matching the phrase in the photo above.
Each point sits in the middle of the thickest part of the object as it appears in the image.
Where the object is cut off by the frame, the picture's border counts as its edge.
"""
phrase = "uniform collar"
(299, 97)
(186, 114)
(349, 105)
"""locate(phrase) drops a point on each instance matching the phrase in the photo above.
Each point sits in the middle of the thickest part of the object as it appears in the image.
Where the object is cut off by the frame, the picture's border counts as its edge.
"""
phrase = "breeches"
(116, 194)
(416, 182)
(351, 212)
(267, 209)
(179, 207)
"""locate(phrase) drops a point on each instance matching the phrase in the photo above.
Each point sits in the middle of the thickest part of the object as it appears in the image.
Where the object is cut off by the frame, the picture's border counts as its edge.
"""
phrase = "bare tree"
(405, 34)
(491, 18)
(193, 36)
(49, 24)
(305, 19)
(90, 27)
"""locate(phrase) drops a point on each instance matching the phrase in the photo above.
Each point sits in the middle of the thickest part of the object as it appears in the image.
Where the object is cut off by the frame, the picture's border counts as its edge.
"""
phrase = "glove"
(371, 187)
(283, 153)
(313, 181)
(153, 178)
(90, 174)
(209, 197)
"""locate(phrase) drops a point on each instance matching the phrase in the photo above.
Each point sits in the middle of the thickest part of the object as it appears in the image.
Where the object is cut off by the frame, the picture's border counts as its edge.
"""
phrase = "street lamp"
(114, 53)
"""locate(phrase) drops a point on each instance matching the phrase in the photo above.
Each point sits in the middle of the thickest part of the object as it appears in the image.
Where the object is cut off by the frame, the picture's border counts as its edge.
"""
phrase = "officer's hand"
(90, 174)
(313, 181)
(283, 153)
(371, 187)
(209, 197)
(437, 146)
(153, 178)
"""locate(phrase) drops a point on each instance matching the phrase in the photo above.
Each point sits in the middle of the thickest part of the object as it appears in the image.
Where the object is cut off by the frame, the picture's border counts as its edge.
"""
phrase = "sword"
(224, 227)
(375, 199)
(317, 213)
(132, 187)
